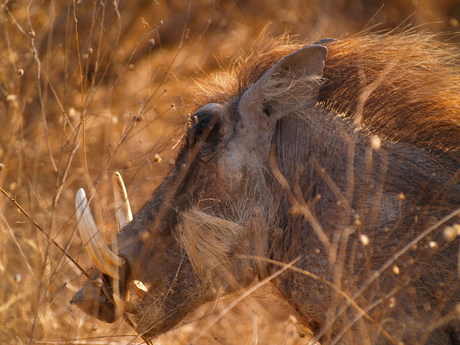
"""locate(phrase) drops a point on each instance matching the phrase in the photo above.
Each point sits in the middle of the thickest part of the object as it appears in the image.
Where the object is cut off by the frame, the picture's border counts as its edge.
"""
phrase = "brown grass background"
(137, 60)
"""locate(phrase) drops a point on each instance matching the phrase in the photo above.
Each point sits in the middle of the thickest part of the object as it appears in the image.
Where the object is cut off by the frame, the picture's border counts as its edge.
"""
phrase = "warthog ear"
(291, 85)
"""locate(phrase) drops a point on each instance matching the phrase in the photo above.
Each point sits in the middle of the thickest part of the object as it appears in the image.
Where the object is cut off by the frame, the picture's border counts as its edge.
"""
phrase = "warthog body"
(343, 155)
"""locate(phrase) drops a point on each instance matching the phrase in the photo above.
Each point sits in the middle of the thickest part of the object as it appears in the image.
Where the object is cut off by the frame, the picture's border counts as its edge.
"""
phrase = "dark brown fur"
(413, 71)
(357, 178)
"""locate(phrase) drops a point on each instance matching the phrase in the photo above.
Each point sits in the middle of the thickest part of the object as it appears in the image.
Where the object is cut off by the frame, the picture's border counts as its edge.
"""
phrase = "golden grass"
(136, 62)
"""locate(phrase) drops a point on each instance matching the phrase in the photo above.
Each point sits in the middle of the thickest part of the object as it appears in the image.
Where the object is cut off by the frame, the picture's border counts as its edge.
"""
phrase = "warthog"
(340, 158)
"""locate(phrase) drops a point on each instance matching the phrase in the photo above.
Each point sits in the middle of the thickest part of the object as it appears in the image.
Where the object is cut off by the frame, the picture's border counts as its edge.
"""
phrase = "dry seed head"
(391, 302)
(144, 22)
(357, 221)
(145, 235)
(194, 120)
(432, 244)
(376, 142)
(98, 282)
(457, 229)
(12, 187)
(449, 233)
(364, 239)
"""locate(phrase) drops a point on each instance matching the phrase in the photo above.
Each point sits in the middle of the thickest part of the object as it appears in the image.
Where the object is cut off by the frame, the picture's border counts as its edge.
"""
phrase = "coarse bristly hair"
(213, 239)
(403, 86)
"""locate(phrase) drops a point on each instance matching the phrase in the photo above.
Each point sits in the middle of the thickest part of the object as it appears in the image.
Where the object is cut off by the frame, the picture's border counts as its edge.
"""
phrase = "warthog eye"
(205, 130)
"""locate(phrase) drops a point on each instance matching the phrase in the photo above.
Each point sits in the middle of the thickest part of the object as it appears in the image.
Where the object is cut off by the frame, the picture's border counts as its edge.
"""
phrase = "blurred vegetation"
(122, 68)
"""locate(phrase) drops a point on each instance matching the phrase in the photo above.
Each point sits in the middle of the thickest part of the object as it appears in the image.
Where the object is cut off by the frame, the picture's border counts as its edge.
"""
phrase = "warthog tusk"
(124, 214)
(105, 260)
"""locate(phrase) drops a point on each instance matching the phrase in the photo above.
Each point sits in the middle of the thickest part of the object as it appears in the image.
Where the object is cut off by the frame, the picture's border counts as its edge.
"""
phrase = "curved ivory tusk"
(101, 255)
(124, 214)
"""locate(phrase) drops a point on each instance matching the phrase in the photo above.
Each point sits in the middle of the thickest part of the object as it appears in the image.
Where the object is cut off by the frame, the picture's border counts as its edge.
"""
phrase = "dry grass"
(136, 62)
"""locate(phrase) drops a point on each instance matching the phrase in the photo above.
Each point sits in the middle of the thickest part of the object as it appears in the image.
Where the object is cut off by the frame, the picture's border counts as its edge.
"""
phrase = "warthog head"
(302, 159)
(212, 207)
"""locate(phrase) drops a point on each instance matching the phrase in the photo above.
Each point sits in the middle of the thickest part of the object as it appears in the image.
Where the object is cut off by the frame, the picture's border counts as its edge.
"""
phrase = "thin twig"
(82, 95)
(43, 232)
